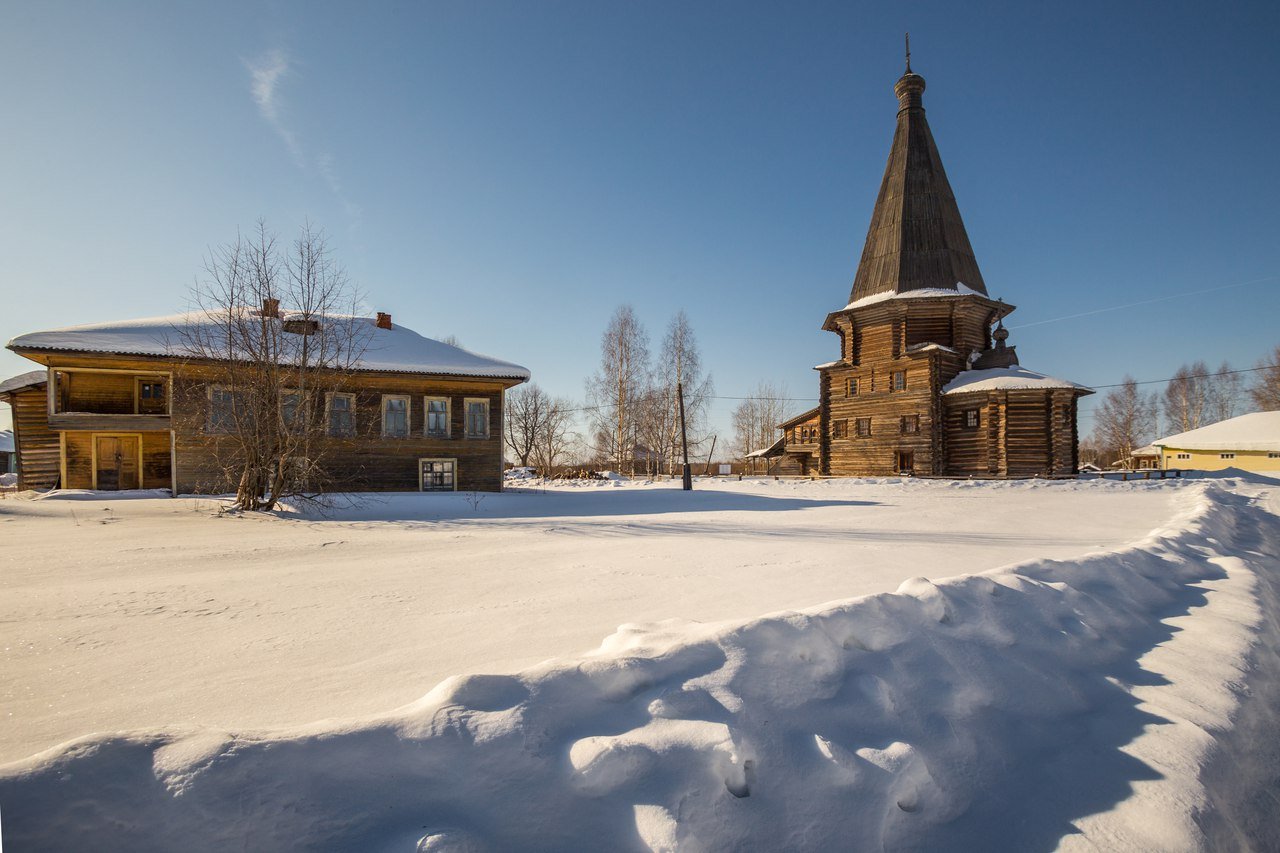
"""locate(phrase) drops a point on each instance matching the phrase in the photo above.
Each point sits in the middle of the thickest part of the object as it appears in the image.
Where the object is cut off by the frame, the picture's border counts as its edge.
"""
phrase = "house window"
(899, 381)
(341, 415)
(151, 397)
(1226, 456)
(437, 475)
(971, 419)
(862, 427)
(840, 428)
(395, 416)
(477, 420)
(1184, 455)
(437, 425)
(852, 389)
(910, 424)
(293, 412)
(1273, 455)
(224, 405)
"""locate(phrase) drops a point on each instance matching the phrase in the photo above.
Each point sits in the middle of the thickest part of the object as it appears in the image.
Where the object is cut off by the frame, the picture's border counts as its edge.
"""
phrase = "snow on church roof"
(1015, 378)
(395, 350)
(1256, 431)
(961, 289)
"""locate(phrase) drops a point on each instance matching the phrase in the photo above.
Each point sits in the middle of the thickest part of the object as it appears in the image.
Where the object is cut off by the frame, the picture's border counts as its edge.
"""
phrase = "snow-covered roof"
(924, 292)
(766, 451)
(827, 364)
(1255, 431)
(6, 441)
(1015, 378)
(396, 350)
(1147, 450)
(23, 380)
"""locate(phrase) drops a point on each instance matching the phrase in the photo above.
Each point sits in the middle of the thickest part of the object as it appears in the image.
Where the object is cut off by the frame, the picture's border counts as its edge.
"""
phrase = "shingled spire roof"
(917, 238)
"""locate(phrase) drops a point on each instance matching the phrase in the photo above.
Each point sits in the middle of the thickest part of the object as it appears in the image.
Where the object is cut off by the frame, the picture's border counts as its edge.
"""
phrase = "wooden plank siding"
(364, 462)
(36, 444)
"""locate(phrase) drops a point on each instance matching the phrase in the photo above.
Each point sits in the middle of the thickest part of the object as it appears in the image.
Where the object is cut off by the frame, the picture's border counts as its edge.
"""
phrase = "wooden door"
(117, 466)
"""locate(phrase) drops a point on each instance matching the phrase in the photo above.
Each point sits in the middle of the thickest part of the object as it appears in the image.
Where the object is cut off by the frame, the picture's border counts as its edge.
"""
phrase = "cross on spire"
(908, 53)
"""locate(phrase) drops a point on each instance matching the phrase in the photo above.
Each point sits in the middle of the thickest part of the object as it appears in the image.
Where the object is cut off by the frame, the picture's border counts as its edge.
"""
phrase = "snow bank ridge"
(1005, 710)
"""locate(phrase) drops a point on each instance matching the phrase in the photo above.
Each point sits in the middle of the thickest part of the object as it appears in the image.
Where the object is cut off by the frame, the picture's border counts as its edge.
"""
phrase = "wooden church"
(925, 382)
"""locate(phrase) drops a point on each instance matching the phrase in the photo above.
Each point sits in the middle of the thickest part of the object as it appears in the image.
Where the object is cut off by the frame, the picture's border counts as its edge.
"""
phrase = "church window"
(862, 427)
(910, 424)
(840, 428)
(971, 419)
(851, 390)
(899, 380)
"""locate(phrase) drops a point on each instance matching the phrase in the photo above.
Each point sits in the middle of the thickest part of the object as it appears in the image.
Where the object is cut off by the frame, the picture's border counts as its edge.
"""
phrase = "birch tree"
(614, 392)
(271, 330)
(1126, 420)
(756, 419)
(1222, 399)
(1264, 391)
(1186, 397)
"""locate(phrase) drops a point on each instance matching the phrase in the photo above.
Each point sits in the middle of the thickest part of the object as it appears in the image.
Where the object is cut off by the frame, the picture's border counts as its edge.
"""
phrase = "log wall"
(36, 444)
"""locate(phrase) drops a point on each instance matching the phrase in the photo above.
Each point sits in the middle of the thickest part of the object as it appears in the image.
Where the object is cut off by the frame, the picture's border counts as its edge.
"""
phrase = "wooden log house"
(119, 406)
(925, 383)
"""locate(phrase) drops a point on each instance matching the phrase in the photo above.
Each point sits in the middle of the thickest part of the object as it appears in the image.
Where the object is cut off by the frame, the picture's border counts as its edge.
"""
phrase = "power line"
(1146, 302)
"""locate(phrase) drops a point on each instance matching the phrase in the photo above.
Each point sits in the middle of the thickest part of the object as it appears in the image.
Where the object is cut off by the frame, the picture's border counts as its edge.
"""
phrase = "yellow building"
(1248, 442)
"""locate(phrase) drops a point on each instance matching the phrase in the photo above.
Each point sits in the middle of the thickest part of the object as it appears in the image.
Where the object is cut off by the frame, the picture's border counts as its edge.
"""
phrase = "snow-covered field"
(1116, 688)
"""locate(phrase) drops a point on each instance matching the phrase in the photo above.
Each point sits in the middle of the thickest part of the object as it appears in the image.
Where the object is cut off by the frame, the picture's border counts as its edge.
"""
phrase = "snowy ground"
(129, 614)
(1120, 696)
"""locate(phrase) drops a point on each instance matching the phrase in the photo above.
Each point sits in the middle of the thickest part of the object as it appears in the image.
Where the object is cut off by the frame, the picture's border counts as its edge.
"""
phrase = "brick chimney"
(384, 320)
(271, 308)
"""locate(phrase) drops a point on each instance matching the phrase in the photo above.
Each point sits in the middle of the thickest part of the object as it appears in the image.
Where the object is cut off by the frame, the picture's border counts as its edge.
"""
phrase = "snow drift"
(1099, 701)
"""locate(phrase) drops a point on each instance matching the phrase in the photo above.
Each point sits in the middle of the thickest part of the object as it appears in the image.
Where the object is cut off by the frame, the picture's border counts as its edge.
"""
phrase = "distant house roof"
(1256, 431)
(395, 350)
(800, 418)
(774, 449)
(23, 380)
(1015, 378)
(1149, 450)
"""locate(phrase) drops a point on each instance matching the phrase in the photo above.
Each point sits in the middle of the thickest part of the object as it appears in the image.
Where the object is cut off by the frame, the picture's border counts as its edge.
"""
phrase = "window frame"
(408, 415)
(840, 428)
(466, 418)
(302, 404)
(896, 376)
(230, 426)
(851, 386)
(913, 420)
(138, 382)
(858, 430)
(427, 400)
(976, 417)
(454, 473)
(1226, 456)
(328, 413)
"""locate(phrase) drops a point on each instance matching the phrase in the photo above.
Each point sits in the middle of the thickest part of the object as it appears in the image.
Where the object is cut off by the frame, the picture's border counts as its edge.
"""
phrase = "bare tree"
(272, 329)
(556, 438)
(1264, 391)
(1126, 420)
(1186, 397)
(756, 419)
(614, 392)
(1223, 395)
(679, 365)
(526, 411)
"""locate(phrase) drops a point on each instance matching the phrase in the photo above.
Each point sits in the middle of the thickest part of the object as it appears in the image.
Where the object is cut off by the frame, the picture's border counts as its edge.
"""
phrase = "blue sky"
(510, 173)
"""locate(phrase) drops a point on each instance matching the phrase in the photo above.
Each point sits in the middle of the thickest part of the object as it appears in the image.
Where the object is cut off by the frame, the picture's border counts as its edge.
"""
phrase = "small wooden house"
(126, 406)
(925, 382)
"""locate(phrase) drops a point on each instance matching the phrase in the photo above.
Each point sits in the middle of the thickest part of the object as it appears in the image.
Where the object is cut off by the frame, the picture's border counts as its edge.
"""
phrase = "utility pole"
(684, 439)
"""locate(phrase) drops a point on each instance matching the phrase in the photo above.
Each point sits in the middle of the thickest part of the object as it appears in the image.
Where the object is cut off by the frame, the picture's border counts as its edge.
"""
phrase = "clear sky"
(510, 173)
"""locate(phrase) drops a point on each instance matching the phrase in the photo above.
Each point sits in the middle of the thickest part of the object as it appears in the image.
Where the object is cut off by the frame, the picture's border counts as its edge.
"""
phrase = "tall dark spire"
(917, 238)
